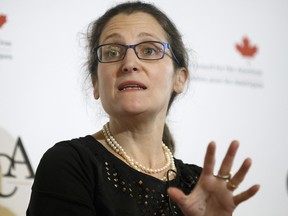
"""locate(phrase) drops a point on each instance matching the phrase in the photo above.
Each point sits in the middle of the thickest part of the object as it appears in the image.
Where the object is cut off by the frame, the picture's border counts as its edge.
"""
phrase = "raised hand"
(213, 195)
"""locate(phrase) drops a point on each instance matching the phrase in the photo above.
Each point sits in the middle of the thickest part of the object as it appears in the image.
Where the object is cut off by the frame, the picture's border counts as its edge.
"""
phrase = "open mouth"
(125, 87)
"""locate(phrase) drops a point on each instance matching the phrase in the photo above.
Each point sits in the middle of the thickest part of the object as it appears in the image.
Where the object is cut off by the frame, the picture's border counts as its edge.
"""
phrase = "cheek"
(104, 83)
(105, 77)
(166, 78)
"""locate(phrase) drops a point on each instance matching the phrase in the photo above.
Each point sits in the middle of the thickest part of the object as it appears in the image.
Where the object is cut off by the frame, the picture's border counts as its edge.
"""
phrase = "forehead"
(135, 25)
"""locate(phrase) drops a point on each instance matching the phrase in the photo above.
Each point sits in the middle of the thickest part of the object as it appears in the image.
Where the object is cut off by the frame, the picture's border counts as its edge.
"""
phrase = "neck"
(153, 168)
(139, 139)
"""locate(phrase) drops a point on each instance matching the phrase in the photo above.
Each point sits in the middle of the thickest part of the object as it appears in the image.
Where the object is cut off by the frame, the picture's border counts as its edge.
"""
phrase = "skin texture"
(212, 196)
(137, 116)
(157, 76)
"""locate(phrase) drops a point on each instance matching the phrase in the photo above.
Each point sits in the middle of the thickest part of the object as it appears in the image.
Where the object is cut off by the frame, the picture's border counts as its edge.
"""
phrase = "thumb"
(177, 196)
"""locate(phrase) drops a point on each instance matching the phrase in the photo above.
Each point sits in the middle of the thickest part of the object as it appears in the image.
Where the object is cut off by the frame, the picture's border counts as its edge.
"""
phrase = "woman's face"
(133, 86)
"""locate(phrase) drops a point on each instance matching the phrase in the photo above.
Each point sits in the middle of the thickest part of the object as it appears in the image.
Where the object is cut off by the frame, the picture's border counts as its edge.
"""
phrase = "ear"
(95, 88)
(181, 77)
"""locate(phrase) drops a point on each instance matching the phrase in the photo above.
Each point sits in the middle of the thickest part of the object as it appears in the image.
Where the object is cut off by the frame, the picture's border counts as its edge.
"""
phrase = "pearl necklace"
(117, 148)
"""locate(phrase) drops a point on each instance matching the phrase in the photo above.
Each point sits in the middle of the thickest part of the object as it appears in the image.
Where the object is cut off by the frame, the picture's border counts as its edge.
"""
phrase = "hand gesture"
(213, 195)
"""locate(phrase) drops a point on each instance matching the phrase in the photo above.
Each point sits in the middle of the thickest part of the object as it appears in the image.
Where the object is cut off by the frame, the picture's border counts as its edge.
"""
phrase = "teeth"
(132, 87)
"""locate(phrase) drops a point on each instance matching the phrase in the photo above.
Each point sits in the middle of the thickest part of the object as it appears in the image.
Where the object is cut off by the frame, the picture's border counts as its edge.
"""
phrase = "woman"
(138, 64)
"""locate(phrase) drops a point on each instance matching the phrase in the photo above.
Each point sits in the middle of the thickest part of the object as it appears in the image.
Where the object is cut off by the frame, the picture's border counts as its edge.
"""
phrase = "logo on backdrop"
(16, 169)
(3, 20)
(246, 48)
(234, 71)
(5, 44)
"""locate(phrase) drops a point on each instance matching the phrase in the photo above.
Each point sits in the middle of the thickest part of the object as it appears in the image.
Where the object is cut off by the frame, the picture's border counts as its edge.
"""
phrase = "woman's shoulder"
(70, 153)
(76, 146)
(66, 169)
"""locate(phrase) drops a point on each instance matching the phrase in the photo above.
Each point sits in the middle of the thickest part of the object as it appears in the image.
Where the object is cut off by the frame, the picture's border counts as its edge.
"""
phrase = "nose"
(130, 61)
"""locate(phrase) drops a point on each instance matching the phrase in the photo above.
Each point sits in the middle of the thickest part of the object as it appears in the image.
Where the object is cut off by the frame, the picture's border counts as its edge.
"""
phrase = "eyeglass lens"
(144, 50)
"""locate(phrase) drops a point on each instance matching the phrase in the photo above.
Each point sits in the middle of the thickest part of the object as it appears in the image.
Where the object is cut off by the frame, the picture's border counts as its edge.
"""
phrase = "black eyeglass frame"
(132, 46)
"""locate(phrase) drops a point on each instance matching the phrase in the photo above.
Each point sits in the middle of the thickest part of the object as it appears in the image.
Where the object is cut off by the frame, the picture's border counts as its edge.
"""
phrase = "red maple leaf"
(3, 20)
(246, 49)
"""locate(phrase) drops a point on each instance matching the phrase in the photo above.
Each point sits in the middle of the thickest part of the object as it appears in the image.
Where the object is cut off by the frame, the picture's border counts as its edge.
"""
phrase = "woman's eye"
(149, 51)
(113, 53)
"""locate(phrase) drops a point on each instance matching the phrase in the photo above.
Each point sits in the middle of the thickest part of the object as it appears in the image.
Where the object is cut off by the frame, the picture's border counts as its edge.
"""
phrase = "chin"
(133, 110)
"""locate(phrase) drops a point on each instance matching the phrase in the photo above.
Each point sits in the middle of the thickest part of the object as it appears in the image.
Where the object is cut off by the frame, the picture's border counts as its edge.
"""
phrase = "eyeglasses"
(148, 50)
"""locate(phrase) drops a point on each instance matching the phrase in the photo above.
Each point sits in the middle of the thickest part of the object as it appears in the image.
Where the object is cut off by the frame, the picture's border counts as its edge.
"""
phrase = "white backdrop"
(230, 96)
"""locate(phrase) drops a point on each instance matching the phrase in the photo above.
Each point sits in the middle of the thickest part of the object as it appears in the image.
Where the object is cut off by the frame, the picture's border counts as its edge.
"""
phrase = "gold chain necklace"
(117, 148)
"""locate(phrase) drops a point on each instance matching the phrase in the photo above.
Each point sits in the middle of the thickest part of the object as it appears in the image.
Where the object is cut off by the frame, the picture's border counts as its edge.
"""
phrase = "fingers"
(246, 194)
(227, 162)
(240, 175)
(209, 161)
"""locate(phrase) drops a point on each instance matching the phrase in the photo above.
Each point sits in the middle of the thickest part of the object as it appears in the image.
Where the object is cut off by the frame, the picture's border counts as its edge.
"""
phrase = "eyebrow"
(140, 35)
(114, 35)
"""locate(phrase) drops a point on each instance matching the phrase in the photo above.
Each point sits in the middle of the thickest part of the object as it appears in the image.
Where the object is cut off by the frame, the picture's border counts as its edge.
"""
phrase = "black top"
(81, 177)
